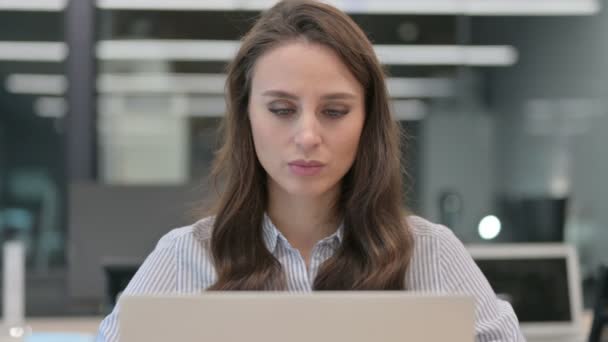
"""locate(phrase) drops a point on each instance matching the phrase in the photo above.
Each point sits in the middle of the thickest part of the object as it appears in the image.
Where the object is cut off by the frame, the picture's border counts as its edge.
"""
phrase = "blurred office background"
(109, 111)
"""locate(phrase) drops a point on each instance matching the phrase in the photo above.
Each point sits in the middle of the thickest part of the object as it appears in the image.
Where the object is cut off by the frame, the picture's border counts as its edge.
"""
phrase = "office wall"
(544, 132)
(457, 154)
(563, 68)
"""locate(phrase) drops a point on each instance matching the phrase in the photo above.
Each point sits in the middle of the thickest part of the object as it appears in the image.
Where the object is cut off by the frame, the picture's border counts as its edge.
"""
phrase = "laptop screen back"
(536, 288)
(391, 316)
(542, 283)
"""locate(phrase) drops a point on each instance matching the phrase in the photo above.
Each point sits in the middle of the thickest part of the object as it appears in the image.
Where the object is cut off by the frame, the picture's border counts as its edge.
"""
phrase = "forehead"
(301, 66)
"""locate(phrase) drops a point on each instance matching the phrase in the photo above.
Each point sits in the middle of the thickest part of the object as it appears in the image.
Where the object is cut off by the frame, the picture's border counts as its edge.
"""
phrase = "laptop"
(282, 316)
(542, 283)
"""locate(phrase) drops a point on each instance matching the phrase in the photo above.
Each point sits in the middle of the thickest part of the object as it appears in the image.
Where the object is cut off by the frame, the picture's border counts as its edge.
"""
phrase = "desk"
(83, 325)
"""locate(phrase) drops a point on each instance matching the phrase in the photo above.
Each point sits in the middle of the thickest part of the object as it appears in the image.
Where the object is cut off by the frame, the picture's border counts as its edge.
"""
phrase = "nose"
(308, 135)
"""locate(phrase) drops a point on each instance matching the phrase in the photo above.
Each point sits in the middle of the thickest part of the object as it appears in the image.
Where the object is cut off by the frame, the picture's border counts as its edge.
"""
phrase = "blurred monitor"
(541, 281)
(533, 219)
(118, 274)
(599, 328)
(109, 224)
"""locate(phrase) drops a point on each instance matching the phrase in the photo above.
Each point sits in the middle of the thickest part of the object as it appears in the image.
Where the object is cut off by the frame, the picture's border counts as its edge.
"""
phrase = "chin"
(304, 189)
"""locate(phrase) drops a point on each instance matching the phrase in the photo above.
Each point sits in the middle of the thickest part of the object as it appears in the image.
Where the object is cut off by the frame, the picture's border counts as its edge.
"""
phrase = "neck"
(303, 220)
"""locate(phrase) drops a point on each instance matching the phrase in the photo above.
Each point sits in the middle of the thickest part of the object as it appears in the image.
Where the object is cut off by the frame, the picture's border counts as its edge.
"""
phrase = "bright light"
(489, 227)
(36, 84)
(536, 7)
(458, 7)
(33, 5)
(33, 51)
(161, 83)
(408, 87)
(446, 55)
(16, 332)
(410, 110)
(187, 5)
(182, 50)
(225, 50)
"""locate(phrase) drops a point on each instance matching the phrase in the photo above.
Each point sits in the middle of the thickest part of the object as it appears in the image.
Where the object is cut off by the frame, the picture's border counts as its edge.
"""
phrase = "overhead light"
(36, 84)
(536, 7)
(408, 87)
(446, 55)
(182, 50)
(50, 107)
(471, 7)
(32, 5)
(489, 227)
(450, 7)
(409, 110)
(33, 51)
(225, 50)
(206, 106)
(207, 5)
(165, 104)
(161, 83)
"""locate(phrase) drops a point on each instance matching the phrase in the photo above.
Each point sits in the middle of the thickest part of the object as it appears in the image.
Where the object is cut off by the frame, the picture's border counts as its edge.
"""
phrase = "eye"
(281, 111)
(281, 108)
(335, 113)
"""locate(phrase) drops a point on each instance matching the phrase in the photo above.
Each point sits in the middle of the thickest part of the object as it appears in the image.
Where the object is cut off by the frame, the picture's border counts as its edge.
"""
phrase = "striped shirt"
(440, 264)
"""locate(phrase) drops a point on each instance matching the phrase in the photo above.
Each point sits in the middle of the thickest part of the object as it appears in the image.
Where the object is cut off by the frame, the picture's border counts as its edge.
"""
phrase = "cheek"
(348, 142)
(259, 133)
(264, 138)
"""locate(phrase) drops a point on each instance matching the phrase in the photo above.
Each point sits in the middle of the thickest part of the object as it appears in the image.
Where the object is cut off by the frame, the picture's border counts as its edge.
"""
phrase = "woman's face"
(307, 112)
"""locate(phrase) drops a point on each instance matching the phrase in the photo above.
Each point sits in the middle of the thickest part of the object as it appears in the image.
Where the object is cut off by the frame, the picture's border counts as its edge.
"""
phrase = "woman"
(312, 196)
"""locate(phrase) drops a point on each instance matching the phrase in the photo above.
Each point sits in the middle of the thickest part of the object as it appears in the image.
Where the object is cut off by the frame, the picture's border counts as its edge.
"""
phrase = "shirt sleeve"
(157, 275)
(495, 320)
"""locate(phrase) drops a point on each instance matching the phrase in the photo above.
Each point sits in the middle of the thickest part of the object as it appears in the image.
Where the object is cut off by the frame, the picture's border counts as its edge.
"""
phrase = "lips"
(306, 167)
(304, 163)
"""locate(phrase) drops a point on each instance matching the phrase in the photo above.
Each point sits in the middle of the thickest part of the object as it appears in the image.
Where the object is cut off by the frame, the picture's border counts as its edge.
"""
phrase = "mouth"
(306, 168)
(306, 163)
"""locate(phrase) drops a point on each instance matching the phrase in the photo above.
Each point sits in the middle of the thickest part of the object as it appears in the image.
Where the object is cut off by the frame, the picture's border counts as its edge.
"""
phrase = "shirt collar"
(272, 235)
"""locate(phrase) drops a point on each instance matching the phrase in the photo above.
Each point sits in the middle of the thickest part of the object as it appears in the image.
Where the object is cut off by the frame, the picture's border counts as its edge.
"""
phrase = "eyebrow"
(331, 96)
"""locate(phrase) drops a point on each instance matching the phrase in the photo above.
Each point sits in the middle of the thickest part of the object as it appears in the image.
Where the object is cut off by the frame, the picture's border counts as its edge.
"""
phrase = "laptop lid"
(541, 281)
(283, 316)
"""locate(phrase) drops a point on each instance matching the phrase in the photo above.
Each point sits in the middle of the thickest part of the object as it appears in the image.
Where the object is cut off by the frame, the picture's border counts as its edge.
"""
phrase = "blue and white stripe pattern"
(181, 264)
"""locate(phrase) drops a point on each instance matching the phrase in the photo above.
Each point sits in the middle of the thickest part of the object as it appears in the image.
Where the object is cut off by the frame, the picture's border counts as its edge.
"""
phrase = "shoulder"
(436, 248)
(430, 239)
(442, 264)
(440, 242)
(201, 230)
(198, 231)
(423, 229)
(434, 239)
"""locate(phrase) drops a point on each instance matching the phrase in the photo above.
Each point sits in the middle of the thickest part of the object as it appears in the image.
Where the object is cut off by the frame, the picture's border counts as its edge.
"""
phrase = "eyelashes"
(282, 111)
(334, 113)
(331, 113)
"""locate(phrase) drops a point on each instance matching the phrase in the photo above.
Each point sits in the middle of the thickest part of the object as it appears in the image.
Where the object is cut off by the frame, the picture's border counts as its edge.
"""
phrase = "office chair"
(600, 313)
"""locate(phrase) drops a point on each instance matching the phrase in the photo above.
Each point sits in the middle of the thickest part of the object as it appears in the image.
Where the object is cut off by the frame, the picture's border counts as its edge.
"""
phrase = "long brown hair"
(377, 244)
